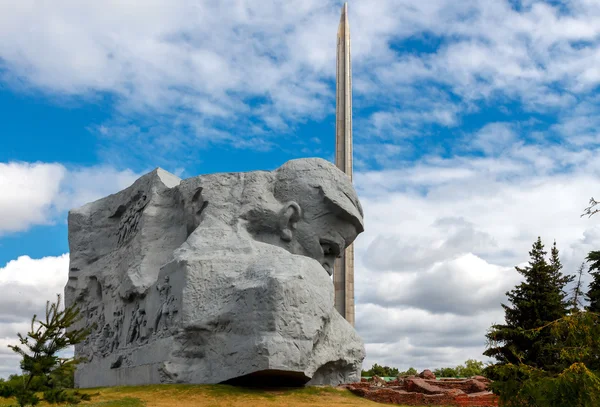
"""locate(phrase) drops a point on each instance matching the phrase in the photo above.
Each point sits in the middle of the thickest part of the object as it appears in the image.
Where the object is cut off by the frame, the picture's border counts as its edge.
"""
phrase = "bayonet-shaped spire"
(343, 21)
(343, 274)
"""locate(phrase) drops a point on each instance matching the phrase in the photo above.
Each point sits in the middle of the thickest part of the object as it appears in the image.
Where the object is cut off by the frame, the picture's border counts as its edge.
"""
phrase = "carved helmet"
(335, 186)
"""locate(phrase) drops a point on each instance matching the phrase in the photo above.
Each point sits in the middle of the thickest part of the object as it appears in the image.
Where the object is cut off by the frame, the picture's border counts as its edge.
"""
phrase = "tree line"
(470, 368)
(547, 351)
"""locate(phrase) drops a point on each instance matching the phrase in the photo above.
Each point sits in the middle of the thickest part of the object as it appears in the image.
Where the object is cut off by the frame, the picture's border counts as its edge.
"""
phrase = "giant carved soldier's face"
(317, 232)
(311, 210)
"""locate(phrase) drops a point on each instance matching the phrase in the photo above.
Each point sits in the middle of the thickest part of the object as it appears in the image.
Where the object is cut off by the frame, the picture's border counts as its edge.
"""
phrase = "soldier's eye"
(330, 248)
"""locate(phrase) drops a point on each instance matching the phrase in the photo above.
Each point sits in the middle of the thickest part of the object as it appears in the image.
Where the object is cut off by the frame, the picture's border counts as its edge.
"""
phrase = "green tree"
(381, 371)
(538, 300)
(577, 344)
(410, 372)
(593, 294)
(40, 361)
(575, 340)
(6, 390)
(15, 381)
(445, 372)
(559, 280)
(577, 293)
(471, 367)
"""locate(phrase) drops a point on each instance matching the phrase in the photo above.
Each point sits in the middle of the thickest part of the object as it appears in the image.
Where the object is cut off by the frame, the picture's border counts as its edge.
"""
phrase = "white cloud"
(544, 56)
(27, 193)
(26, 284)
(494, 137)
(232, 63)
(441, 287)
(38, 193)
(438, 254)
(206, 56)
(87, 184)
(441, 240)
(443, 234)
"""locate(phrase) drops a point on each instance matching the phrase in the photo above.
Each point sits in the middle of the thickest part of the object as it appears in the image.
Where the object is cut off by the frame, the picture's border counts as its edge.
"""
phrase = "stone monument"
(219, 278)
(343, 274)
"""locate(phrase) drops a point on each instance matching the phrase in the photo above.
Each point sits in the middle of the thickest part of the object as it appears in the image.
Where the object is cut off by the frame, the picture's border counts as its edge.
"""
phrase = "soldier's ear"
(289, 215)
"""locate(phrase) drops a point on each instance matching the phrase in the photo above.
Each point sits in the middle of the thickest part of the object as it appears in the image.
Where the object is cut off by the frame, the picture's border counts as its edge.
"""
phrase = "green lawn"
(216, 396)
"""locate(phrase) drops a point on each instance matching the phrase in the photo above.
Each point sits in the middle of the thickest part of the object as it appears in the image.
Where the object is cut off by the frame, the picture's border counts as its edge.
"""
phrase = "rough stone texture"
(475, 386)
(216, 278)
(415, 391)
(378, 381)
(468, 386)
(427, 374)
(422, 386)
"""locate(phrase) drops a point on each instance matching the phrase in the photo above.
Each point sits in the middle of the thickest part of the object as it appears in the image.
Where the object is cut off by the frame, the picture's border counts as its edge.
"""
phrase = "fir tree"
(560, 280)
(538, 300)
(575, 383)
(577, 292)
(40, 360)
(593, 294)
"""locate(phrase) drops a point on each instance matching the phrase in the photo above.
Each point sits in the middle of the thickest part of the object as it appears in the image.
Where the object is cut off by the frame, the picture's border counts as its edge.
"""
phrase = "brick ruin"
(425, 389)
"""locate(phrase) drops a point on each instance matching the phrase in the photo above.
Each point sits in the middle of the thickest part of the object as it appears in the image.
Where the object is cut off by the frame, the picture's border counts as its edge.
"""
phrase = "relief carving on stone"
(167, 310)
(129, 216)
(247, 289)
(137, 328)
(118, 317)
(195, 210)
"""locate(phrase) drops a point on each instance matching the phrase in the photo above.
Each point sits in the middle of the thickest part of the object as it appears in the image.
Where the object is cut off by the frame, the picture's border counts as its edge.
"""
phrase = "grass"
(175, 395)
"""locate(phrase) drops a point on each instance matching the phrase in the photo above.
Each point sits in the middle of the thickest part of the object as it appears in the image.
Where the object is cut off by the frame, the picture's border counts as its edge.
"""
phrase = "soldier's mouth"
(328, 268)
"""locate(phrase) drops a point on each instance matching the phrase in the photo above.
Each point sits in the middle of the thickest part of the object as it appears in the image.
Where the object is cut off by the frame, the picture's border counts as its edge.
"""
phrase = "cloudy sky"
(475, 130)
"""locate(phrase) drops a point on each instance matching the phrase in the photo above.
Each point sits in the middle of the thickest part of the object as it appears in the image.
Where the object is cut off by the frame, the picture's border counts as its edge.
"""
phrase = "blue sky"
(36, 128)
(475, 131)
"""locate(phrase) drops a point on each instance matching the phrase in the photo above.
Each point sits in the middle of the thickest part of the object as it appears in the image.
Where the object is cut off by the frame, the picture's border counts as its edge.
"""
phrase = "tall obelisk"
(343, 274)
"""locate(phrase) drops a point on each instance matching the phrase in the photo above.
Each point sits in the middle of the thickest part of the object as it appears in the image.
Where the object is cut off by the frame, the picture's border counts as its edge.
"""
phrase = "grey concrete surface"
(216, 278)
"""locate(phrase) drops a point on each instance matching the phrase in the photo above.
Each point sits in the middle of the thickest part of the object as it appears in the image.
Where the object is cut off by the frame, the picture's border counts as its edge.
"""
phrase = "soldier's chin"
(328, 268)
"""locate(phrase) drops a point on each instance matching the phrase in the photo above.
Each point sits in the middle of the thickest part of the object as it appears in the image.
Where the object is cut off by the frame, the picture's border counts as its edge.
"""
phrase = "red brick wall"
(418, 392)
